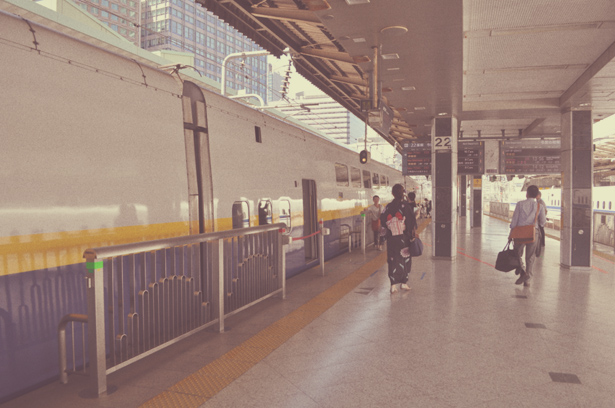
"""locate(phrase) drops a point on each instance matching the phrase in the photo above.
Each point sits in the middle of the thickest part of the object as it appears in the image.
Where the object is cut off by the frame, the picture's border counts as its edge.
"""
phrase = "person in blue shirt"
(525, 214)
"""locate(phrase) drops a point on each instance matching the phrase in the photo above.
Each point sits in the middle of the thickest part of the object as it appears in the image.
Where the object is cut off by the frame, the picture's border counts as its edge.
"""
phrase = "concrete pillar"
(476, 218)
(444, 186)
(463, 196)
(577, 180)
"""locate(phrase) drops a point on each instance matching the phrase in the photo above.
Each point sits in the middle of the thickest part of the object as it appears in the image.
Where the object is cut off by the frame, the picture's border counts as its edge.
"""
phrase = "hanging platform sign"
(416, 158)
(530, 156)
(470, 158)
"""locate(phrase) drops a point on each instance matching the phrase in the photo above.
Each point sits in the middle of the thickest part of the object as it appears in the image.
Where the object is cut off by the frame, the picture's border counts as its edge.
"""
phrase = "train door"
(310, 219)
(196, 135)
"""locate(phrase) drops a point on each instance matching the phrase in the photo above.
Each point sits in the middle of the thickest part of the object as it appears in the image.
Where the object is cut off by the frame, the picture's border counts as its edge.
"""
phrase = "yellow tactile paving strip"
(194, 390)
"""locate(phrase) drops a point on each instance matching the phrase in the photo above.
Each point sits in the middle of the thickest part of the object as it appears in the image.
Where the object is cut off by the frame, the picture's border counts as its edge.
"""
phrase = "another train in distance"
(100, 148)
(603, 209)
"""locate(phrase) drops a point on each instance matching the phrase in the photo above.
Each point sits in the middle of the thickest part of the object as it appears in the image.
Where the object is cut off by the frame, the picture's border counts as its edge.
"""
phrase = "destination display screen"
(470, 158)
(416, 158)
(530, 156)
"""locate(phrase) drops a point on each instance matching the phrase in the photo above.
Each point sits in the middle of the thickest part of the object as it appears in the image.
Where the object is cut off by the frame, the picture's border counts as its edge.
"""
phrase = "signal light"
(363, 156)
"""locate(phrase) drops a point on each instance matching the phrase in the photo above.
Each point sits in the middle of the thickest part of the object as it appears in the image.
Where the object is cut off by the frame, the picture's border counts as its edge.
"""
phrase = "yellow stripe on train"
(24, 253)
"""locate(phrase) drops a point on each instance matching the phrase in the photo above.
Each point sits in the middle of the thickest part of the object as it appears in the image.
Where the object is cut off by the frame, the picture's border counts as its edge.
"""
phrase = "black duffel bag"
(507, 259)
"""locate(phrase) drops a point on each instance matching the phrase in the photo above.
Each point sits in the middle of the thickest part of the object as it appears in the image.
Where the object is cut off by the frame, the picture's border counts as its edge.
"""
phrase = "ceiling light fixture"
(359, 40)
(442, 114)
(393, 69)
(390, 56)
(355, 2)
(408, 88)
(419, 108)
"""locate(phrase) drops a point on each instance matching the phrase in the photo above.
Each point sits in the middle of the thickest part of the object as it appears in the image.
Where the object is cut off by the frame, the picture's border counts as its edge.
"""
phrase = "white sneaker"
(405, 287)
(393, 288)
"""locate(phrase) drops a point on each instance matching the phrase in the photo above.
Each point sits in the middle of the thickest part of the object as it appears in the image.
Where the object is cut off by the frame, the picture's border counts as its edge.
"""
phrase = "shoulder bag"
(527, 233)
(507, 259)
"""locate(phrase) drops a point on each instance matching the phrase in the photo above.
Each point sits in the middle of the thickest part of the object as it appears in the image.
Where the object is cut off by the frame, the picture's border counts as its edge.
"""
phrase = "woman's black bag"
(416, 247)
(507, 260)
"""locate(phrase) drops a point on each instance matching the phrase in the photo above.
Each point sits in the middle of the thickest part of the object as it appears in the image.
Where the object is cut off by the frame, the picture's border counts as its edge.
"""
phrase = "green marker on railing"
(93, 265)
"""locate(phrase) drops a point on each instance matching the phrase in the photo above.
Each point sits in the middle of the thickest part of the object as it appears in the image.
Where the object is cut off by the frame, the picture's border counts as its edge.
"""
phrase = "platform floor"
(464, 336)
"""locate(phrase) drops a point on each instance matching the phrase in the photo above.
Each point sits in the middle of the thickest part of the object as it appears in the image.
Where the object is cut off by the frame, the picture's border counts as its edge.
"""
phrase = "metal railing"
(145, 296)
(72, 319)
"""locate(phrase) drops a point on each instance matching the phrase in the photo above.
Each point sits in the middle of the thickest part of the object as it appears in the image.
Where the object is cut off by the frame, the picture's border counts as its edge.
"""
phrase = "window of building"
(375, 180)
(123, 10)
(355, 177)
(104, 3)
(367, 179)
(113, 27)
(285, 213)
(123, 31)
(258, 135)
(115, 7)
(341, 174)
(104, 14)
(93, 10)
(603, 205)
(114, 17)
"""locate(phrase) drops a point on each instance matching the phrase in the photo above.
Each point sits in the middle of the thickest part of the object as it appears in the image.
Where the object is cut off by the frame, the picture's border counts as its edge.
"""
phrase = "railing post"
(96, 322)
(221, 293)
(363, 232)
(284, 240)
(322, 246)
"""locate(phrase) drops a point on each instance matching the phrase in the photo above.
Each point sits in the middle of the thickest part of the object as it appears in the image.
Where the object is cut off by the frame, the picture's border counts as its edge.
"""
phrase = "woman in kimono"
(400, 223)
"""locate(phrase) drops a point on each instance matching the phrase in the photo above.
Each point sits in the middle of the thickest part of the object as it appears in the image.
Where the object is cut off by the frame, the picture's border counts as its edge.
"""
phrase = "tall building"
(183, 25)
(122, 16)
(274, 85)
(323, 113)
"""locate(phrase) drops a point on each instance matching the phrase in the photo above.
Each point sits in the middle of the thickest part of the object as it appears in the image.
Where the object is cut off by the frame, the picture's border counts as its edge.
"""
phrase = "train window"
(610, 202)
(367, 179)
(258, 135)
(285, 212)
(603, 205)
(376, 180)
(355, 177)
(598, 204)
(383, 180)
(341, 174)
(241, 214)
(264, 212)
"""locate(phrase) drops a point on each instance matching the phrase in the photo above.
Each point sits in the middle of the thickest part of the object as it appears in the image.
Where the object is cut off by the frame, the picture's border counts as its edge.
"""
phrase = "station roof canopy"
(498, 66)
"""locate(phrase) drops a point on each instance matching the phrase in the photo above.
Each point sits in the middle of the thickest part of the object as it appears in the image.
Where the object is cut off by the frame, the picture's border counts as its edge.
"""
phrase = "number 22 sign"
(442, 143)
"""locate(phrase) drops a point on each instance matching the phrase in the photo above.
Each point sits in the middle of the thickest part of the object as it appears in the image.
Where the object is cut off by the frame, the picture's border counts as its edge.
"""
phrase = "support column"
(476, 219)
(444, 194)
(463, 196)
(577, 182)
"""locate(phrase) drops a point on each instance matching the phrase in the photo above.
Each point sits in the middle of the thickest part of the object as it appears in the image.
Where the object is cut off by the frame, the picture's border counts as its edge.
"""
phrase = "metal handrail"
(69, 318)
(127, 249)
(164, 310)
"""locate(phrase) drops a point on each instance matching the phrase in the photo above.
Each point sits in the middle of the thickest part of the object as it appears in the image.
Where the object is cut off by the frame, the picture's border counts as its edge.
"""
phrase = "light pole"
(233, 56)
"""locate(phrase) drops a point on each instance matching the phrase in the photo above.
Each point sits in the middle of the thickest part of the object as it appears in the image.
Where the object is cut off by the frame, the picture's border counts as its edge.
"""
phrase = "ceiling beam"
(333, 55)
(349, 80)
(298, 16)
(532, 126)
(589, 73)
(509, 114)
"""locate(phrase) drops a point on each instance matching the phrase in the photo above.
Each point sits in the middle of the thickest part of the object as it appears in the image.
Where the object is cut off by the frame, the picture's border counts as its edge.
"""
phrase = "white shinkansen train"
(99, 149)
